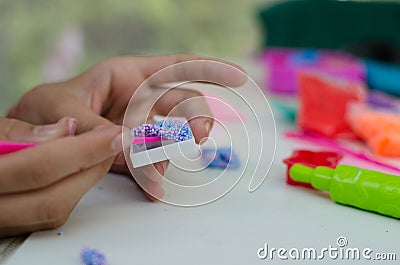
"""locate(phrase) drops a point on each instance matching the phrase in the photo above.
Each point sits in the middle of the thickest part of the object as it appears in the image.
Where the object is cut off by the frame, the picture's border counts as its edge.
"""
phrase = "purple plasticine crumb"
(93, 257)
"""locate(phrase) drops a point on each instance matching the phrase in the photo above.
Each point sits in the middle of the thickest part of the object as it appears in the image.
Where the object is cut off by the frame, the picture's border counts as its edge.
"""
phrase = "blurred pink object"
(66, 55)
(284, 64)
(223, 110)
(10, 147)
(337, 147)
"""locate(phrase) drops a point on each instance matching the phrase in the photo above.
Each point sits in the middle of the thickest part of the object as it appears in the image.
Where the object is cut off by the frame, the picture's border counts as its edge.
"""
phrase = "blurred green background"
(50, 40)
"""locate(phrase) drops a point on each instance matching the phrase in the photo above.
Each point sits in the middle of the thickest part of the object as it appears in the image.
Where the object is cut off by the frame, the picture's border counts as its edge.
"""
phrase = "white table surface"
(115, 218)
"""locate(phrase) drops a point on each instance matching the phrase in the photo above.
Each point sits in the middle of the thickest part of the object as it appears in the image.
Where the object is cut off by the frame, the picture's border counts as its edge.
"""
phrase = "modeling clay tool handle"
(10, 147)
(362, 188)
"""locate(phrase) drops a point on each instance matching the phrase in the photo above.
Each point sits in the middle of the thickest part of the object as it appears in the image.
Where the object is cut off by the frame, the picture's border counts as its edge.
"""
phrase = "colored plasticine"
(283, 66)
(334, 145)
(161, 141)
(323, 104)
(380, 129)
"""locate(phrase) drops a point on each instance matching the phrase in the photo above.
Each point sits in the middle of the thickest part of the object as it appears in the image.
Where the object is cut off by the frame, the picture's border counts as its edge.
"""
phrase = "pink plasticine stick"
(325, 142)
(142, 140)
(10, 147)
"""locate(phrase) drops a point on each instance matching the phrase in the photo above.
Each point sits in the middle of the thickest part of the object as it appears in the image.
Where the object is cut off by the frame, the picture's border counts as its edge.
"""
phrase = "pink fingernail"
(48, 130)
(72, 123)
(117, 143)
(160, 168)
(207, 126)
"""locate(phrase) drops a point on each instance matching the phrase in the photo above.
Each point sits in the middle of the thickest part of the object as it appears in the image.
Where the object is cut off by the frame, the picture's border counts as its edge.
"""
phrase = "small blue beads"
(221, 158)
(93, 257)
(174, 130)
(169, 129)
(145, 130)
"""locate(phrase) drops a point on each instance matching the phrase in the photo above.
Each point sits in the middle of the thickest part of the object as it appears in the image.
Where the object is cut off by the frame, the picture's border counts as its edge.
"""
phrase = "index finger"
(187, 67)
(122, 73)
(50, 162)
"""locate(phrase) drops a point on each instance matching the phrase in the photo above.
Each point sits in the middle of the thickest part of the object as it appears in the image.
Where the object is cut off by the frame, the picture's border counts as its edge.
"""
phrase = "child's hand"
(39, 186)
(101, 96)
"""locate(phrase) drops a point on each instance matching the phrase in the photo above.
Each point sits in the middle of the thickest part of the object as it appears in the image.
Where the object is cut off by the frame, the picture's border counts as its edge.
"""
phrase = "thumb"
(20, 131)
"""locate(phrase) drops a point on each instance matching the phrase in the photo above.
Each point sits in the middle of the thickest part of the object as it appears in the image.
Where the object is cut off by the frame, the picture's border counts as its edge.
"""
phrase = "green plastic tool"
(362, 188)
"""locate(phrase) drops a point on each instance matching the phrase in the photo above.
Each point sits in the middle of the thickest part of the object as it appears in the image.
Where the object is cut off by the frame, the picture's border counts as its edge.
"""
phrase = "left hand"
(101, 95)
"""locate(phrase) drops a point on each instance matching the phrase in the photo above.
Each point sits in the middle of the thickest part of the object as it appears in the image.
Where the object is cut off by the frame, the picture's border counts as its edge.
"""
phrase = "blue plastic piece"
(384, 77)
(286, 110)
(308, 56)
(222, 157)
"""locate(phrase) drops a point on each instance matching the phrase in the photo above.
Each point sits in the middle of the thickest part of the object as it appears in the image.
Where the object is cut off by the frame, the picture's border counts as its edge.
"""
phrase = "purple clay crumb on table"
(93, 257)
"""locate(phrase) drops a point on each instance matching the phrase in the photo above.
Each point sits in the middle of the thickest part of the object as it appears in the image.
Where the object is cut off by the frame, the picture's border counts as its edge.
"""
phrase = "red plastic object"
(323, 104)
(311, 159)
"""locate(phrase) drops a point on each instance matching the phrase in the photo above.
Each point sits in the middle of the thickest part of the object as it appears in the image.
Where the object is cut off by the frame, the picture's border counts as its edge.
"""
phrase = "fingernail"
(207, 126)
(119, 159)
(72, 123)
(149, 197)
(117, 144)
(48, 130)
(165, 165)
(127, 138)
(160, 168)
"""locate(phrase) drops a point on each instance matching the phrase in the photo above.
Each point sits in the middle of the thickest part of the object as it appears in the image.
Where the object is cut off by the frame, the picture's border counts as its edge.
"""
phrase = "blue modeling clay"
(93, 257)
(383, 76)
(221, 158)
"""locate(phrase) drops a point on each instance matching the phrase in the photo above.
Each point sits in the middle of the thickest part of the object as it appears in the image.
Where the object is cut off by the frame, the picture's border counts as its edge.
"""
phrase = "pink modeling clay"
(142, 140)
(223, 110)
(283, 66)
(334, 145)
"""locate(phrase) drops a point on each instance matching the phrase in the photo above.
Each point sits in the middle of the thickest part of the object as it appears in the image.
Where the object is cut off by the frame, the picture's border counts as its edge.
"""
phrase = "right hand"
(40, 186)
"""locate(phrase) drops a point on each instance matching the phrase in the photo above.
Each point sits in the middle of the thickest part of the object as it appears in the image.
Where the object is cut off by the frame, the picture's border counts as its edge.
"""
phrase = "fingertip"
(108, 133)
(154, 193)
(116, 144)
(70, 122)
(154, 172)
(127, 138)
(72, 125)
(48, 132)
(119, 159)
(201, 128)
(228, 74)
